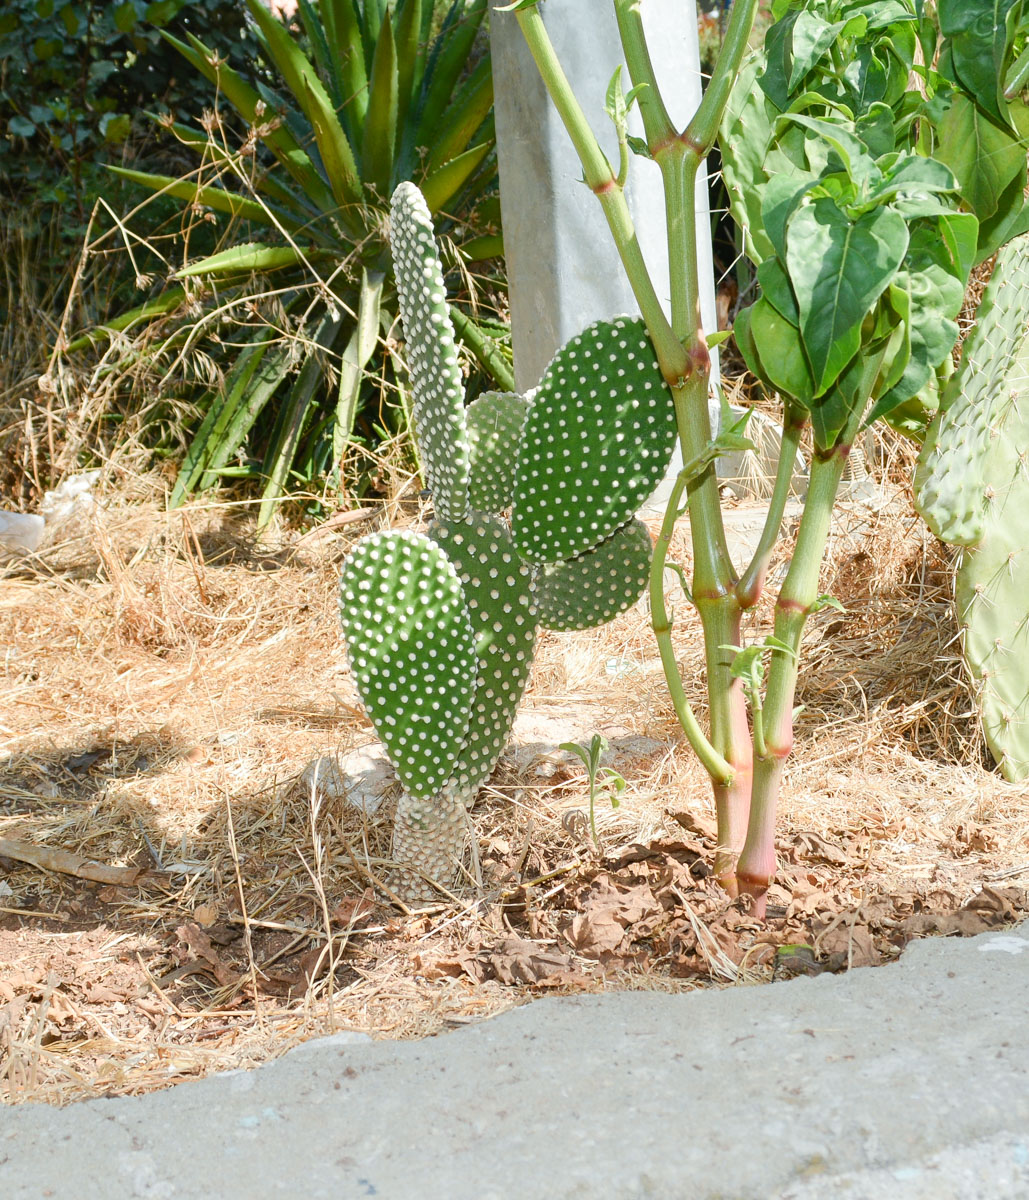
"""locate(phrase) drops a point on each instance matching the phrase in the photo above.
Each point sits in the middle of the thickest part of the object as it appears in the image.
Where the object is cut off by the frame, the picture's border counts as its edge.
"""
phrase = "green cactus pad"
(950, 478)
(596, 443)
(498, 592)
(412, 653)
(495, 423)
(992, 592)
(594, 588)
(436, 380)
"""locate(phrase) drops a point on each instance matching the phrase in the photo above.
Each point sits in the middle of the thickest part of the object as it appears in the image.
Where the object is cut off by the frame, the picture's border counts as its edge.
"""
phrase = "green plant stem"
(799, 591)
(750, 587)
(657, 124)
(601, 179)
(715, 765)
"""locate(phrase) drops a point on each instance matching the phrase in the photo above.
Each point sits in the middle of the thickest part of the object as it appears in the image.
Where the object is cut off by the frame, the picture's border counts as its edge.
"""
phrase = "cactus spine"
(441, 627)
(972, 486)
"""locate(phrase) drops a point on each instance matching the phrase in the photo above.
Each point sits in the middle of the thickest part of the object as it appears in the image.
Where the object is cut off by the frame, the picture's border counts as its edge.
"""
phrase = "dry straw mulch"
(174, 900)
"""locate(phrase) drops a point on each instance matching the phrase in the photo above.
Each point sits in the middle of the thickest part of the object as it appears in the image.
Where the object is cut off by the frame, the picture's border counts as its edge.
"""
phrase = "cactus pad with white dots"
(436, 380)
(498, 592)
(412, 653)
(597, 586)
(495, 423)
(597, 441)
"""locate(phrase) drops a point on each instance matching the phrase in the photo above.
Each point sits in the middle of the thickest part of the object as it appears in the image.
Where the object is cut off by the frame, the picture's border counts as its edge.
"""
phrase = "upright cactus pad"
(972, 487)
(497, 590)
(495, 423)
(431, 353)
(950, 479)
(596, 443)
(596, 587)
(412, 653)
(992, 590)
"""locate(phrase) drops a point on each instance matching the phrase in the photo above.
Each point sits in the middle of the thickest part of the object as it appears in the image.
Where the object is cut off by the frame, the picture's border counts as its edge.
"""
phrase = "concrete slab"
(909, 1081)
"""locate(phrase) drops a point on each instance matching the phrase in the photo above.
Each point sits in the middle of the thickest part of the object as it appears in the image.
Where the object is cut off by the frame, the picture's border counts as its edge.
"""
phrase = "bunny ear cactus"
(972, 487)
(441, 629)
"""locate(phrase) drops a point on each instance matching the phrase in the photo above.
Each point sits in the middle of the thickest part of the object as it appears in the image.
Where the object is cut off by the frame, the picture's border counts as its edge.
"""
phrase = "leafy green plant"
(441, 627)
(605, 782)
(372, 100)
(844, 174)
(75, 73)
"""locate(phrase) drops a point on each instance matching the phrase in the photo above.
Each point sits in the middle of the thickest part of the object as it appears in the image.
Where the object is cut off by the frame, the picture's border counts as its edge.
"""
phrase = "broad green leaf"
(777, 290)
(977, 41)
(779, 198)
(857, 162)
(780, 351)
(984, 156)
(812, 36)
(743, 140)
(380, 128)
(838, 269)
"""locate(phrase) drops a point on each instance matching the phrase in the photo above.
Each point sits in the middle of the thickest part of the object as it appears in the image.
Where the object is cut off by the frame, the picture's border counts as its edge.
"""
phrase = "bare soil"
(174, 900)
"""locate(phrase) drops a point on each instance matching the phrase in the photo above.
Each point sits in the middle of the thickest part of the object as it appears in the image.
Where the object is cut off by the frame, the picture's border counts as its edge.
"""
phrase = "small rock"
(363, 778)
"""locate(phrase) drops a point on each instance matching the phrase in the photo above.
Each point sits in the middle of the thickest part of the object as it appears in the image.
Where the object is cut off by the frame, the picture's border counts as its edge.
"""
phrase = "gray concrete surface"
(904, 1082)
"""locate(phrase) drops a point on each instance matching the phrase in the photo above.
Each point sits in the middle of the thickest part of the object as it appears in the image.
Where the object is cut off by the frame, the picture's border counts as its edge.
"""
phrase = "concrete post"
(561, 263)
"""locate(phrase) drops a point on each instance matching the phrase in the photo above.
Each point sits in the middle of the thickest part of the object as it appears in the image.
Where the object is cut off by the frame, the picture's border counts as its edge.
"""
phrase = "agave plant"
(377, 101)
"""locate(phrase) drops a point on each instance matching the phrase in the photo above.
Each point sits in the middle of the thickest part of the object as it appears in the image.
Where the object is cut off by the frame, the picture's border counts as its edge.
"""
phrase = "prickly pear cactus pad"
(495, 423)
(436, 380)
(412, 653)
(594, 588)
(950, 476)
(992, 590)
(596, 443)
(497, 589)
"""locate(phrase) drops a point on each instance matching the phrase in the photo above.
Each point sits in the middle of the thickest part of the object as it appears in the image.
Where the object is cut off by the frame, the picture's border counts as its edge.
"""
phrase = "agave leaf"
(257, 372)
(445, 69)
(343, 29)
(294, 206)
(250, 256)
(464, 116)
(158, 307)
(490, 245)
(196, 193)
(337, 156)
(444, 184)
(315, 32)
(408, 47)
(380, 128)
(359, 350)
(374, 14)
(293, 421)
(245, 100)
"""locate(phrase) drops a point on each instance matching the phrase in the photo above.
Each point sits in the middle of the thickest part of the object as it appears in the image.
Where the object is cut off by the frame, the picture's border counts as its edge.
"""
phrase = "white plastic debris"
(21, 531)
(73, 497)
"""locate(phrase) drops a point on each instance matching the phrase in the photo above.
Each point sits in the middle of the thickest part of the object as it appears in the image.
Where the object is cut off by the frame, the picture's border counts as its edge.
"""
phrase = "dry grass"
(166, 681)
